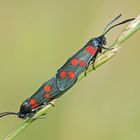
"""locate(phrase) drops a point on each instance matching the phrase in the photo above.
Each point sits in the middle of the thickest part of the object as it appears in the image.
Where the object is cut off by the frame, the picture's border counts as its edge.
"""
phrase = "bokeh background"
(37, 37)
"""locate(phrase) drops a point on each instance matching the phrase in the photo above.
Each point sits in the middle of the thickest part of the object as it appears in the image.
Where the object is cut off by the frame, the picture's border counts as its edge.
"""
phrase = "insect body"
(47, 92)
(66, 76)
(69, 72)
(79, 62)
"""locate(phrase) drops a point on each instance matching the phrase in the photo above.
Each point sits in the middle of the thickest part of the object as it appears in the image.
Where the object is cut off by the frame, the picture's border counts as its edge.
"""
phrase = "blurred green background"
(37, 37)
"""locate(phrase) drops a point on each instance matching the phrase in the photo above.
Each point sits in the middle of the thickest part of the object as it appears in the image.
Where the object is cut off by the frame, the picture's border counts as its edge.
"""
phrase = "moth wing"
(67, 75)
(46, 92)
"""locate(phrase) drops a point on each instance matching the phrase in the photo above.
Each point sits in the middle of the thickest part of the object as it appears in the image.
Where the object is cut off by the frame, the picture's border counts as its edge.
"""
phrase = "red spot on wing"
(89, 49)
(62, 74)
(82, 63)
(33, 103)
(71, 74)
(93, 51)
(74, 62)
(47, 88)
(47, 95)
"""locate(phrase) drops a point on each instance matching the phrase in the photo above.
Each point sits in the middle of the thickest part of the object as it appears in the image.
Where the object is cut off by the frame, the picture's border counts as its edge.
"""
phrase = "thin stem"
(104, 57)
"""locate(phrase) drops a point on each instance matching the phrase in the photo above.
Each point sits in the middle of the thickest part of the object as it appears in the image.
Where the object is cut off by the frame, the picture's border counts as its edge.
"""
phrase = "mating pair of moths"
(66, 76)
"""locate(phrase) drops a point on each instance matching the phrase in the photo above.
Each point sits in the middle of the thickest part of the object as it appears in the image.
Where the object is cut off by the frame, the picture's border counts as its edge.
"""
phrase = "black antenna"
(112, 20)
(7, 113)
(123, 22)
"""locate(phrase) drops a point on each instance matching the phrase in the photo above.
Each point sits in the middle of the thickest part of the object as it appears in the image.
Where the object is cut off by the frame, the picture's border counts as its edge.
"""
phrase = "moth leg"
(51, 104)
(107, 48)
(93, 64)
(85, 70)
(43, 116)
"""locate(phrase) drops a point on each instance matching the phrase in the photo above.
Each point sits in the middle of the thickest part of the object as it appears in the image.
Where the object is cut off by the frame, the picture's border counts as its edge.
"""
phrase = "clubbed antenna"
(107, 28)
(7, 113)
(112, 20)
